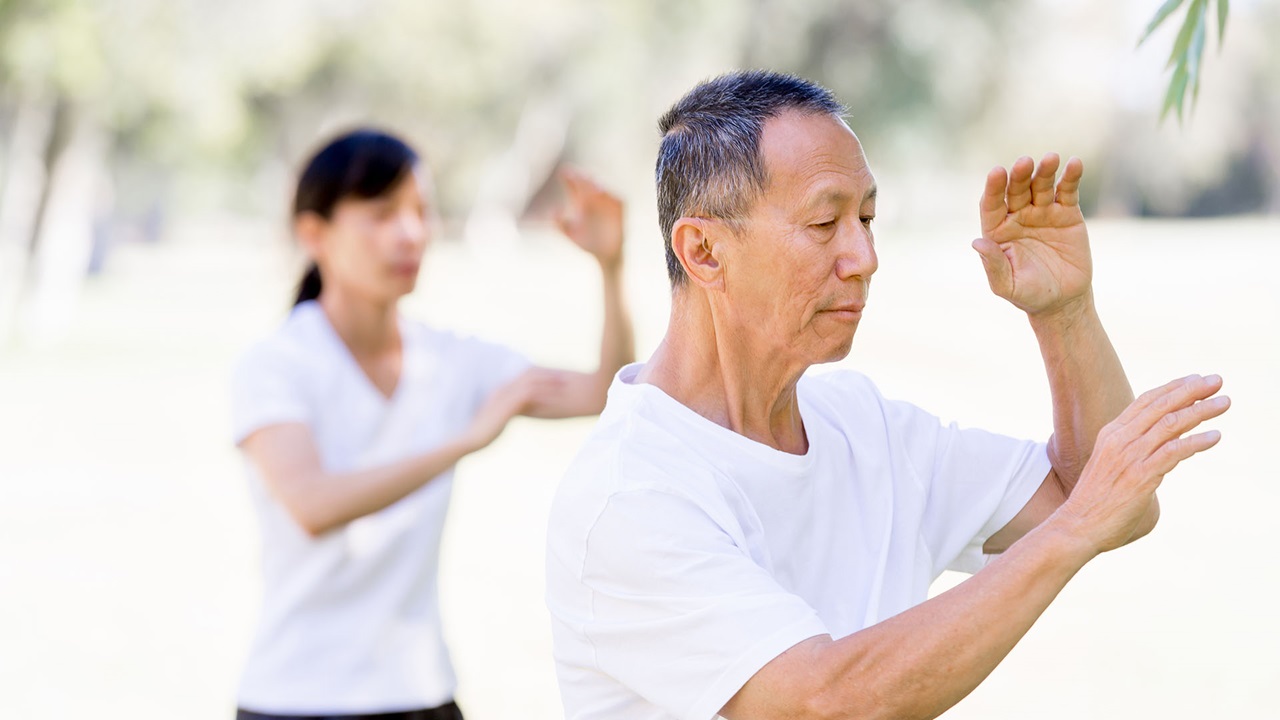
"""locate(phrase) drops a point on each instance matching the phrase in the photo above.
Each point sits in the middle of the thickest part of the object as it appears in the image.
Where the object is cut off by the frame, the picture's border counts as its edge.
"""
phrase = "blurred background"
(147, 154)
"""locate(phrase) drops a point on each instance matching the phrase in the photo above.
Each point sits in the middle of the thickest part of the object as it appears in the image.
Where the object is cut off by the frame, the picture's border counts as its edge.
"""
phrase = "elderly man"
(742, 539)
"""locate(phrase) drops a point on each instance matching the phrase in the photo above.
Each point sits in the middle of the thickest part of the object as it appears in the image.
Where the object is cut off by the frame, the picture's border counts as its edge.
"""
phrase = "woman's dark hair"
(363, 163)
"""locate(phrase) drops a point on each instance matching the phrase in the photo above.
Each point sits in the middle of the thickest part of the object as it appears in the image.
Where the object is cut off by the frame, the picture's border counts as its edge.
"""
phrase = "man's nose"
(857, 254)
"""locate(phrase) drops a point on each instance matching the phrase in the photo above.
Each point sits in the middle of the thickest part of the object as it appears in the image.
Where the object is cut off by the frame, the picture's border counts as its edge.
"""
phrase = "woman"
(352, 417)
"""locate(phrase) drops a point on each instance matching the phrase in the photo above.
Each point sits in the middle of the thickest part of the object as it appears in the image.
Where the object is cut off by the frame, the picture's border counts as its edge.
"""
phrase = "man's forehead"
(816, 155)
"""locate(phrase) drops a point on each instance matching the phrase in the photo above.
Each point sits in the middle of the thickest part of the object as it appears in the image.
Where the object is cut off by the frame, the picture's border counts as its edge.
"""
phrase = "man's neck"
(718, 374)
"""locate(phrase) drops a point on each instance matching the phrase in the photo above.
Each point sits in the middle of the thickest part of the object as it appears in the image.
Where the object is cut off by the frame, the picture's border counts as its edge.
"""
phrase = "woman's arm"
(289, 461)
(592, 219)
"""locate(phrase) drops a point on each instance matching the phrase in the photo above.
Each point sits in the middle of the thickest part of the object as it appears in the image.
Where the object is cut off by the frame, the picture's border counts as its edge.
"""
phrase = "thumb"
(563, 222)
(999, 270)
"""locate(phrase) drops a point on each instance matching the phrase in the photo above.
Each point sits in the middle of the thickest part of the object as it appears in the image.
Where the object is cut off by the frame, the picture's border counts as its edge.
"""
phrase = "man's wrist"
(1066, 532)
(1069, 315)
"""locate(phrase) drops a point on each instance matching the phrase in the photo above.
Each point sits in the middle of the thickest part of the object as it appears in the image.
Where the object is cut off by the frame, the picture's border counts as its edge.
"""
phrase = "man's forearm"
(1086, 381)
(926, 659)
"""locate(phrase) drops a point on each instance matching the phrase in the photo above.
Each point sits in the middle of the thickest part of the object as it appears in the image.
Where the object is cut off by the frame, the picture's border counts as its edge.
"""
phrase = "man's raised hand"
(1034, 245)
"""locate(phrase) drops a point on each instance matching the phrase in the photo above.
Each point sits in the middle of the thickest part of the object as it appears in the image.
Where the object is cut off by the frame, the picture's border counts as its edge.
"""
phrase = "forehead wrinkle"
(823, 192)
(828, 176)
(813, 166)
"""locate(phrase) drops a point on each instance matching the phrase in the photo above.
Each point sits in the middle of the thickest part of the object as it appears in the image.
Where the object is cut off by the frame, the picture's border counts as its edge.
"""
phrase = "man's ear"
(309, 228)
(693, 240)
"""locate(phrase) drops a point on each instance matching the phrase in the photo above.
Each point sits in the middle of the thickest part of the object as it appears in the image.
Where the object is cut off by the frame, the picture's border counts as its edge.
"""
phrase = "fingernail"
(1213, 378)
(1214, 435)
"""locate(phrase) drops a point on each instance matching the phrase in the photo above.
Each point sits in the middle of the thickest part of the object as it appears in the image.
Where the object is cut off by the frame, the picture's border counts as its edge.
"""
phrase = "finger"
(1018, 194)
(991, 207)
(585, 183)
(996, 263)
(1069, 185)
(1042, 180)
(1181, 422)
(1178, 449)
(568, 173)
(572, 179)
(563, 222)
(1144, 400)
(1181, 395)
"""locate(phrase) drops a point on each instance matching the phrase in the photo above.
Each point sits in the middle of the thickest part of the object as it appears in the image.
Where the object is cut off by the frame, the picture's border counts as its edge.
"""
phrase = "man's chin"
(838, 350)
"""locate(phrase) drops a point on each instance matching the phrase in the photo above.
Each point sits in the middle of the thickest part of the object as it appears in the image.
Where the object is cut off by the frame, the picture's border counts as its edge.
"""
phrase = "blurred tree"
(119, 114)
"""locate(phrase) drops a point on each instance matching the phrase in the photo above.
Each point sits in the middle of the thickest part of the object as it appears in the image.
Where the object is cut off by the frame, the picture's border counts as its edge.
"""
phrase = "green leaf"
(1195, 12)
(1194, 54)
(1177, 89)
(1222, 21)
(1164, 11)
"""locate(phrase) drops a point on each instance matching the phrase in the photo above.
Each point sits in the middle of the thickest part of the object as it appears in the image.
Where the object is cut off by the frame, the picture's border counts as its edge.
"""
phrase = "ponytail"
(309, 285)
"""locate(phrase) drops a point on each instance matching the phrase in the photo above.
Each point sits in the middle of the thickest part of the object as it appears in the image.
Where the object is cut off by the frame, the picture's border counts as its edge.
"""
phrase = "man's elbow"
(1149, 520)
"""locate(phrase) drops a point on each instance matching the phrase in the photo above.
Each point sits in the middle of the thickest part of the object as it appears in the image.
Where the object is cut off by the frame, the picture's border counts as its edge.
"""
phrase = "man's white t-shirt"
(682, 557)
(350, 620)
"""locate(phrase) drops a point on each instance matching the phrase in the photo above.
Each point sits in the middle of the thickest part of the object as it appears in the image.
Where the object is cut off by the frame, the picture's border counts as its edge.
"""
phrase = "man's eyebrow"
(839, 197)
(833, 196)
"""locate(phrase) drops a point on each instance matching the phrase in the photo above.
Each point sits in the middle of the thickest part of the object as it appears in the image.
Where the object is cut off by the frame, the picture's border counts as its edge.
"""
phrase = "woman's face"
(373, 248)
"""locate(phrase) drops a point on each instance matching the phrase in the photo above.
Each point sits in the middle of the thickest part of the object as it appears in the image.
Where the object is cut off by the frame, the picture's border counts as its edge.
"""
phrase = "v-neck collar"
(353, 365)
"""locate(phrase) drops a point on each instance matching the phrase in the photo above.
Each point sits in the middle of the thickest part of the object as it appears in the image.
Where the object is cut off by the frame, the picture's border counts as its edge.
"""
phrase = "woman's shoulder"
(295, 343)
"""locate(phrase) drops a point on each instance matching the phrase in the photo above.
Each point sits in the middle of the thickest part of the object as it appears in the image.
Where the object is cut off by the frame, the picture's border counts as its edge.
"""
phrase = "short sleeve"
(975, 482)
(680, 615)
(266, 389)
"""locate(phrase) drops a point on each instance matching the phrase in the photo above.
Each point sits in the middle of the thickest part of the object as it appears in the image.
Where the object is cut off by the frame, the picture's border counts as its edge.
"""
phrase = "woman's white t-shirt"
(350, 620)
(682, 557)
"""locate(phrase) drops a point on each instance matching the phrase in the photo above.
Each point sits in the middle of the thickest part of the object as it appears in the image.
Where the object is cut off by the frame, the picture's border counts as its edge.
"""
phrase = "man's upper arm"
(1047, 498)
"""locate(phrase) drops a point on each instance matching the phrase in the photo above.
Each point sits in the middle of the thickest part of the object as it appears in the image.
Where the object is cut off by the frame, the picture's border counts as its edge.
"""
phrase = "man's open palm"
(1034, 245)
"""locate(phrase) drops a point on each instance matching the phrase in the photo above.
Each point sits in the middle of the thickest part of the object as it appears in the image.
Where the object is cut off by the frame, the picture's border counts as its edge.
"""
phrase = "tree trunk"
(23, 191)
(65, 241)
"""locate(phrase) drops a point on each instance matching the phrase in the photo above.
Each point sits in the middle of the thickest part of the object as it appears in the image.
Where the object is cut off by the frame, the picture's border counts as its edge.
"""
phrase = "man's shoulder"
(841, 394)
(854, 405)
(838, 380)
(630, 450)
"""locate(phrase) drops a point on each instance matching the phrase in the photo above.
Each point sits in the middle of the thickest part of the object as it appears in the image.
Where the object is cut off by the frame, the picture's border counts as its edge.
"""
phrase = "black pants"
(448, 711)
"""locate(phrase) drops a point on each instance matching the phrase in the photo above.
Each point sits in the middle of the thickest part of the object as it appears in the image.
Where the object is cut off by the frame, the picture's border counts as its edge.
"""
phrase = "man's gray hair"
(709, 162)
